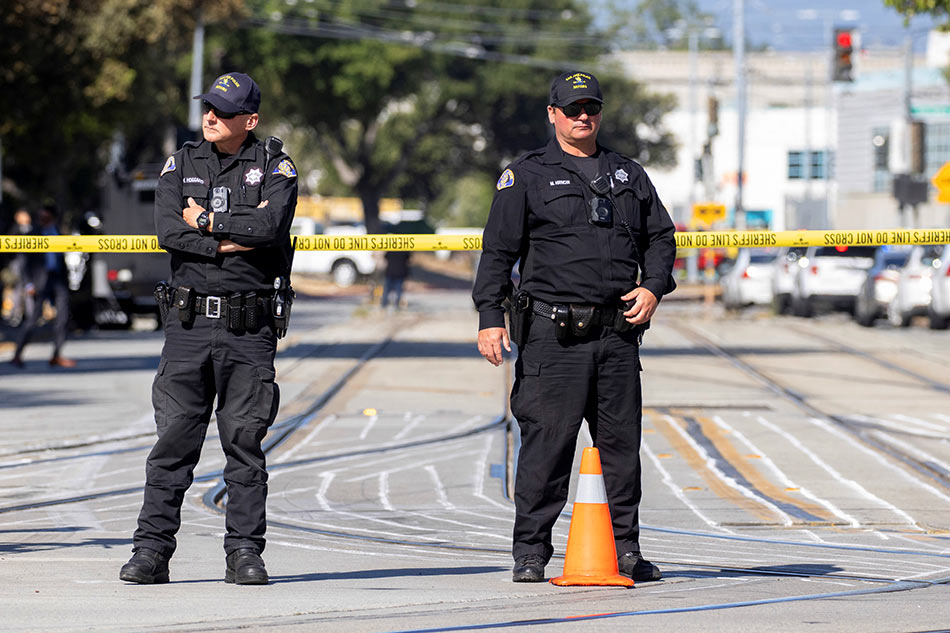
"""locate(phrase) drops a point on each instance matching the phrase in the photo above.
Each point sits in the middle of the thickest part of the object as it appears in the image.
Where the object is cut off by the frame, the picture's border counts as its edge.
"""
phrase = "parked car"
(749, 280)
(830, 276)
(345, 267)
(913, 286)
(939, 308)
(785, 267)
(880, 284)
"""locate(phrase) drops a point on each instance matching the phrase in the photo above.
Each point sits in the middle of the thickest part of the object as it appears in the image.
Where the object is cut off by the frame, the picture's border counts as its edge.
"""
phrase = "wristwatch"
(203, 220)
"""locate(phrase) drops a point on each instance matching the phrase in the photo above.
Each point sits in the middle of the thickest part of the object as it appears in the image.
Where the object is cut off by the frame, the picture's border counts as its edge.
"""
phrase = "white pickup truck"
(345, 267)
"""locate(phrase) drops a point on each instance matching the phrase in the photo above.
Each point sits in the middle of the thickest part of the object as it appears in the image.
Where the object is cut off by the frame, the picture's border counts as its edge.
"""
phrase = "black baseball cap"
(233, 93)
(573, 86)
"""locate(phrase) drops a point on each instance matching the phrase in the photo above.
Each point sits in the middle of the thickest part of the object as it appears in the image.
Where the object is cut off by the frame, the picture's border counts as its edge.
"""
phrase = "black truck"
(122, 284)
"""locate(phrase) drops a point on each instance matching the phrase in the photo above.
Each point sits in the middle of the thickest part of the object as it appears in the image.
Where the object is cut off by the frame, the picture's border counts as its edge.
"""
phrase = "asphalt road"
(796, 477)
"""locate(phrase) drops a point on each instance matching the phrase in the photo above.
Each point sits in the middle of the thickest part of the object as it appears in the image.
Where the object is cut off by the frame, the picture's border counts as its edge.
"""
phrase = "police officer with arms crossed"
(223, 211)
(596, 253)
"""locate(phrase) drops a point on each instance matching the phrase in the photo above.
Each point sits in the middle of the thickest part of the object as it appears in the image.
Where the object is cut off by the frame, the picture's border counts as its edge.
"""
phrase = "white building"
(809, 159)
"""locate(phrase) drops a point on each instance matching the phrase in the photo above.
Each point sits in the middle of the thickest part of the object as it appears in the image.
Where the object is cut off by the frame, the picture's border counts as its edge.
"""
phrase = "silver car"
(939, 308)
(785, 268)
(914, 285)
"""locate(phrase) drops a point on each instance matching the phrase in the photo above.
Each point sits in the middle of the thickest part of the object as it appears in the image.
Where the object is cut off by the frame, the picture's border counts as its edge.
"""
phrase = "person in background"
(45, 279)
(397, 270)
(17, 270)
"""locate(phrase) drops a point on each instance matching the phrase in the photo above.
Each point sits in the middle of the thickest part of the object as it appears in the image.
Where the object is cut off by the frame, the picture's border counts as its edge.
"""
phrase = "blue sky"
(784, 24)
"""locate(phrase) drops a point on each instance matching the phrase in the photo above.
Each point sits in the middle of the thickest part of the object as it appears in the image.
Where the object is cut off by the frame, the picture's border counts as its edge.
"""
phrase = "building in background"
(817, 154)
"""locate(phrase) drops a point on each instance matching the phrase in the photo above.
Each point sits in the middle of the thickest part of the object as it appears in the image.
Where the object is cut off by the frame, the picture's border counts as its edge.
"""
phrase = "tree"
(74, 74)
(402, 110)
(939, 9)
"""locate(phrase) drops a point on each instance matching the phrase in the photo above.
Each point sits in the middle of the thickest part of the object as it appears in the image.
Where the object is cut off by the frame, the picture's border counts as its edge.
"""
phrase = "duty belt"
(217, 307)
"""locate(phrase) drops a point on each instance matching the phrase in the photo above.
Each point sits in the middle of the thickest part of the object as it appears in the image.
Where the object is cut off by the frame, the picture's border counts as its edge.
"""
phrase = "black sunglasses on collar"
(574, 109)
(208, 107)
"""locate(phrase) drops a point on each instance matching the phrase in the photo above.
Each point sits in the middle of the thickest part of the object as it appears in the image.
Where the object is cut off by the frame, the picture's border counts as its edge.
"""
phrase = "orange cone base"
(592, 581)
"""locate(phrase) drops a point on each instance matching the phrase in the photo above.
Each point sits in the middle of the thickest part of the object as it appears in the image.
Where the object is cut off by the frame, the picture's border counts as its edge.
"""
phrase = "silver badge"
(254, 176)
(621, 175)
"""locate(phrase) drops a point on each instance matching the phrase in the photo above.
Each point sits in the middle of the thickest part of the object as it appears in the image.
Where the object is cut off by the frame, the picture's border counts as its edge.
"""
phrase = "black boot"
(245, 567)
(633, 565)
(528, 568)
(146, 567)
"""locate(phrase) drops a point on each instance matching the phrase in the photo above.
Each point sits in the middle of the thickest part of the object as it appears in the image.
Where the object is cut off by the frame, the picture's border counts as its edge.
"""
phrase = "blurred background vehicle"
(913, 286)
(939, 308)
(880, 284)
(829, 277)
(749, 279)
(785, 268)
(344, 267)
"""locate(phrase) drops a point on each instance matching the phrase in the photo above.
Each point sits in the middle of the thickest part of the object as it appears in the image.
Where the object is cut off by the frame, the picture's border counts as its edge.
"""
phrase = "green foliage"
(939, 9)
(74, 73)
(378, 97)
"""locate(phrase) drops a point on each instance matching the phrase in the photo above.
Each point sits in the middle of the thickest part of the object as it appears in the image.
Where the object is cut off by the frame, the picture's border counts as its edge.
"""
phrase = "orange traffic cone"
(591, 557)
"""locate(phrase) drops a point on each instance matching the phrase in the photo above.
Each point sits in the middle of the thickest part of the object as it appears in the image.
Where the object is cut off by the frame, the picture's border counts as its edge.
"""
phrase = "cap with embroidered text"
(233, 93)
(574, 86)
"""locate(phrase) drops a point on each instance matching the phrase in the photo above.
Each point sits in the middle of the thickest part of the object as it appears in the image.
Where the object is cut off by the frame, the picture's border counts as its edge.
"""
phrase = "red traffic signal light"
(842, 65)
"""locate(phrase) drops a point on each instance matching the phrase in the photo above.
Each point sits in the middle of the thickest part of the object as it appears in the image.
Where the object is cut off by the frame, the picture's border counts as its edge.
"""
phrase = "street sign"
(941, 181)
(710, 212)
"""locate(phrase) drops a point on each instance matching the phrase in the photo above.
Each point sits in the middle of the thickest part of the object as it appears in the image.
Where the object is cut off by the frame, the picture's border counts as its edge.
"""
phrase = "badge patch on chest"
(254, 176)
(621, 175)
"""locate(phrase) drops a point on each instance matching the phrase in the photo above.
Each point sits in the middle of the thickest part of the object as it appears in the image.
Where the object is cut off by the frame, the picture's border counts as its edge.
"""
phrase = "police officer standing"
(223, 211)
(596, 253)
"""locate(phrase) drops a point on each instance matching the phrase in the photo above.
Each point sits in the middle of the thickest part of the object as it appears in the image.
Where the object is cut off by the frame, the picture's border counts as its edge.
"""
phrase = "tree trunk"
(370, 199)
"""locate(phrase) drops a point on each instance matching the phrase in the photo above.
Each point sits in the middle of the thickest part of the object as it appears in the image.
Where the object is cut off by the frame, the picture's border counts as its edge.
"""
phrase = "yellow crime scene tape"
(390, 242)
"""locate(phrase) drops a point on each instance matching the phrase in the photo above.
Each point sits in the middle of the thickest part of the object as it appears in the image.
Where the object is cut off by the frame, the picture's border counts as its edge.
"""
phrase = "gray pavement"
(388, 508)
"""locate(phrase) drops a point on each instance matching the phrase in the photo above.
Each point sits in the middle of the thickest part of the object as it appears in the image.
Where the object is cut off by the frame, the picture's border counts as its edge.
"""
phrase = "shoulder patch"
(285, 168)
(506, 180)
(169, 166)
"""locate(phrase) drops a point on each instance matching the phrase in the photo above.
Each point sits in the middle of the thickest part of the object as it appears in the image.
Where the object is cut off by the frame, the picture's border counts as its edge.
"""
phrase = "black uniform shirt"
(252, 176)
(540, 215)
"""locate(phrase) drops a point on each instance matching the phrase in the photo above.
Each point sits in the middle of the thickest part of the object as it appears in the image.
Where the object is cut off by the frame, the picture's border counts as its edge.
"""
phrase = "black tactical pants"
(557, 385)
(200, 363)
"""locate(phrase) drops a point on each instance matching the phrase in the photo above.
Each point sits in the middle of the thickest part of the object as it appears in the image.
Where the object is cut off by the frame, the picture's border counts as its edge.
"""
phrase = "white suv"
(345, 267)
(830, 276)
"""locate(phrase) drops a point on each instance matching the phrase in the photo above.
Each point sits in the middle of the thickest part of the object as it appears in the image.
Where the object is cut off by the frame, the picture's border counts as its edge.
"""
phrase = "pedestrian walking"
(596, 253)
(223, 210)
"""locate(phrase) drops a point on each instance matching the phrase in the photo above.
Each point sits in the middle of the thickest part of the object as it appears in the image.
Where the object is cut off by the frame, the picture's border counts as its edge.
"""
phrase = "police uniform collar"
(554, 154)
(247, 151)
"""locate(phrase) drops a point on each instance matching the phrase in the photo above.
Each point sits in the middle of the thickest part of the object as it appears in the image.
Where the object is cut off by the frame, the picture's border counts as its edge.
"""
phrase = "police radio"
(601, 211)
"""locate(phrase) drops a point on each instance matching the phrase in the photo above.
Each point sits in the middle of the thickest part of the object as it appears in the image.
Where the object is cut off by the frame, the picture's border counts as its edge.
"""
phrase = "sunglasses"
(574, 109)
(207, 107)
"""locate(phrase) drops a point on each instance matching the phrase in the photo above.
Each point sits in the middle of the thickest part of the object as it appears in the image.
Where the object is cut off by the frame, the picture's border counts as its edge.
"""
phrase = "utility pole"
(738, 23)
(692, 269)
(197, 57)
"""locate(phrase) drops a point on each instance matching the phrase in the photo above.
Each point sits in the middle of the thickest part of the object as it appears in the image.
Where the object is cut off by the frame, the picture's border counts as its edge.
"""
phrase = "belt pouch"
(185, 302)
(562, 322)
(235, 312)
(252, 311)
(620, 321)
(519, 317)
(581, 319)
(162, 294)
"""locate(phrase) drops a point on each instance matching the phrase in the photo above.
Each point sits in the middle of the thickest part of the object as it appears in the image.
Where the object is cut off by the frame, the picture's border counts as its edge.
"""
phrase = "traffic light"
(842, 65)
